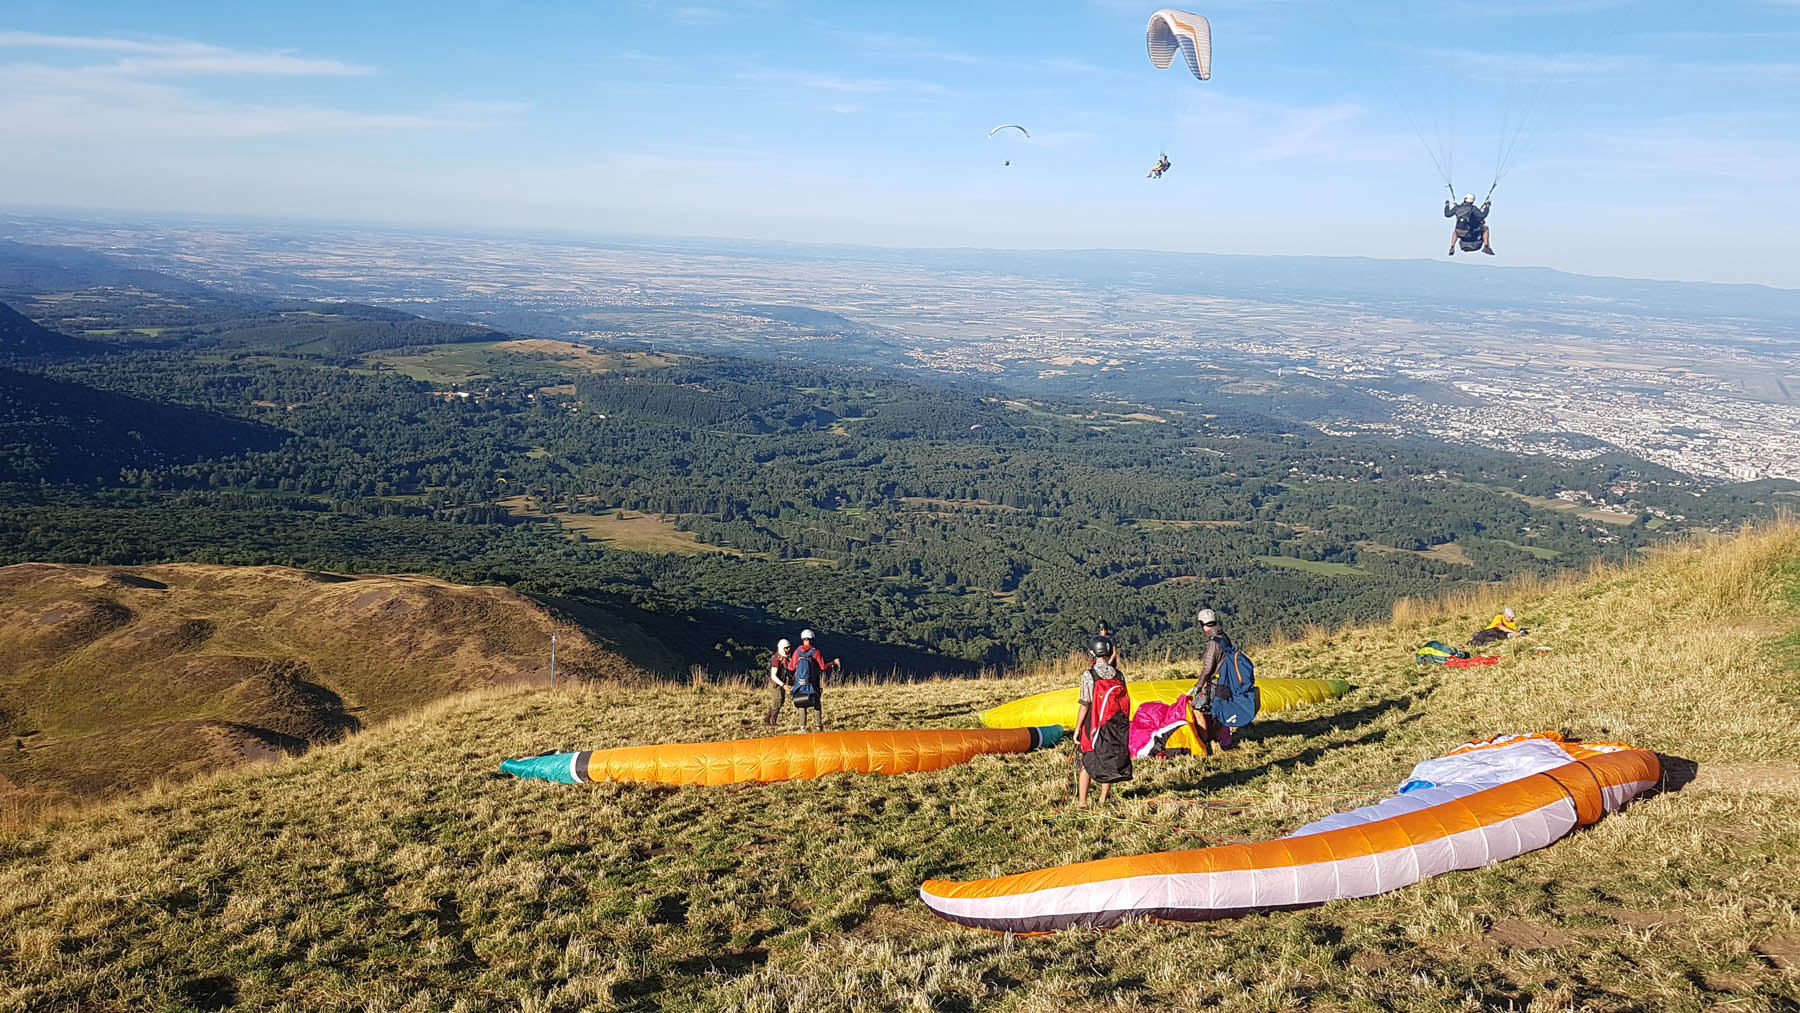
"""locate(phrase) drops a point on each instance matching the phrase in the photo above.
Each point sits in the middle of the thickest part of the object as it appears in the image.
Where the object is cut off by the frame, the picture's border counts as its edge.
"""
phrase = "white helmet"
(1208, 617)
(1508, 612)
(806, 634)
(1468, 198)
(782, 645)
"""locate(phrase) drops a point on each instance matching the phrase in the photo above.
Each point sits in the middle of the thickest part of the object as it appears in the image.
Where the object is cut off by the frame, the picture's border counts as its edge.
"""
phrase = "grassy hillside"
(396, 871)
(119, 676)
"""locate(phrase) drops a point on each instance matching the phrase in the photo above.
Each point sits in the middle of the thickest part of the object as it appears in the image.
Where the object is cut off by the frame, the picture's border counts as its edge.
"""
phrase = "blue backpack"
(806, 688)
(1237, 675)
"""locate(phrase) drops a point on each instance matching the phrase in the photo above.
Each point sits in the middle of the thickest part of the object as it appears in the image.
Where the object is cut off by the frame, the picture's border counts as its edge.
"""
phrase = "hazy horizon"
(125, 217)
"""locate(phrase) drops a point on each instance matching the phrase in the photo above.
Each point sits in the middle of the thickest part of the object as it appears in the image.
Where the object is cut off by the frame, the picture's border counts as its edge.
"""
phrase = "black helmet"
(1104, 628)
(1100, 647)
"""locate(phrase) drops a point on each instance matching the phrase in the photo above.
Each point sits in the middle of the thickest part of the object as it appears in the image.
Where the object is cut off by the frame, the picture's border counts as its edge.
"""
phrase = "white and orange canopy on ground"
(1483, 802)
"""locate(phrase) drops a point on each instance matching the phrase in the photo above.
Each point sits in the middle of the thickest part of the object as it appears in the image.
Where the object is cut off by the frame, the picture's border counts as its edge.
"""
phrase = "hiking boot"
(1488, 250)
(1453, 249)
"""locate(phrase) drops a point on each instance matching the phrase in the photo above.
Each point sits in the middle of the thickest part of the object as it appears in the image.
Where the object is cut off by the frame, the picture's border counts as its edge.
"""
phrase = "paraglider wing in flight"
(1014, 126)
(1170, 30)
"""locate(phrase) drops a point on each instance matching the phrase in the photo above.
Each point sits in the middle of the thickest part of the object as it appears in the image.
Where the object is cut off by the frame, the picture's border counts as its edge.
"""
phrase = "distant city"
(1699, 379)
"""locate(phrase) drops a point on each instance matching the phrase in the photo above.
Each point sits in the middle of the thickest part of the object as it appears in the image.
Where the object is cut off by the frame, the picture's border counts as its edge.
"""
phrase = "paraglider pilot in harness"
(807, 666)
(1102, 724)
(1161, 166)
(1207, 728)
(1471, 222)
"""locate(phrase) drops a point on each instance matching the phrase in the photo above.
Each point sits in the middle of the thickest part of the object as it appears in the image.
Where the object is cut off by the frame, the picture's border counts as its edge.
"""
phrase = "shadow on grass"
(1305, 758)
(1315, 725)
(1677, 772)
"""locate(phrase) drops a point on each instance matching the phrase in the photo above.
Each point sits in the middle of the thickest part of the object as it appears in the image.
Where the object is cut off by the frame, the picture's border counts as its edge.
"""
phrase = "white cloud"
(699, 15)
(896, 43)
(130, 98)
(74, 117)
(1272, 131)
(1535, 68)
(175, 57)
(852, 85)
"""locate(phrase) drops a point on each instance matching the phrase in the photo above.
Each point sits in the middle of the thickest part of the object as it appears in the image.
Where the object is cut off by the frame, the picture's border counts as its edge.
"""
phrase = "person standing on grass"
(778, 686)
(1207, 728)
(808, 667)
(1102, 724)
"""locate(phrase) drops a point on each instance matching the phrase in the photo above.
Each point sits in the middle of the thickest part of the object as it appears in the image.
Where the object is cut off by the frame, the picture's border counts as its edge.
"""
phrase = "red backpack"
(1111, 699)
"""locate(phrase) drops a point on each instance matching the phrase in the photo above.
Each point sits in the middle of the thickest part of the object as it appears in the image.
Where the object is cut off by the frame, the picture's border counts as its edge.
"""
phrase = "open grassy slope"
(116, 676)
(395, 871)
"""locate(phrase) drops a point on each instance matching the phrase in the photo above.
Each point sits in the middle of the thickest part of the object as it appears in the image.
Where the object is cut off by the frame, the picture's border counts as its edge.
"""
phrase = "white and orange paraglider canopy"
(1482, 803)
(1171, 30)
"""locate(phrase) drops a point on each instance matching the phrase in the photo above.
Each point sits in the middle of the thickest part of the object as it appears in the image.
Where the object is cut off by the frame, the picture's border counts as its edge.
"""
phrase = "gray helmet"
(1100, 647)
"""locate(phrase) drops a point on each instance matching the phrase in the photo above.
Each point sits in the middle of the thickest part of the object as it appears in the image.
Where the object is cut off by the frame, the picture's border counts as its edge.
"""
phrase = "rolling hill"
(61, 431)
(397, 870)
(20, 338)
(34, 267)
(119, 677)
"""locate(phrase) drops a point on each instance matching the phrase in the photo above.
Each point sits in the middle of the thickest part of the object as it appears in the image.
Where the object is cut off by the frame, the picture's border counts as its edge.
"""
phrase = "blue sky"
(1665, 141)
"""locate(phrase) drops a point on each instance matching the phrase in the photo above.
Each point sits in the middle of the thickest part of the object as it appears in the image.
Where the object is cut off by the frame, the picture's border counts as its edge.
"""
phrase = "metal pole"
(552, 661)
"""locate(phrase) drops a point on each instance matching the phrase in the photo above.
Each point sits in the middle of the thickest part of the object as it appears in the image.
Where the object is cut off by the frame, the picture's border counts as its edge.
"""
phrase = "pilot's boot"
(1489, 250)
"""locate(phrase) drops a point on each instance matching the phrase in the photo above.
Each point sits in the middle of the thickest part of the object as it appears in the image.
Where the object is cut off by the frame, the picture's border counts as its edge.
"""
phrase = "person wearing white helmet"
(808, 666)
(778, 687)
(1207, 730)
(1504, 626)
(1471, 221)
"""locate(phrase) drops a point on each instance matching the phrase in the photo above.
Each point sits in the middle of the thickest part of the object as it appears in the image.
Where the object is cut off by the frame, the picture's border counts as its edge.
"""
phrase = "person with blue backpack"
(1224, 695)
(807, 666)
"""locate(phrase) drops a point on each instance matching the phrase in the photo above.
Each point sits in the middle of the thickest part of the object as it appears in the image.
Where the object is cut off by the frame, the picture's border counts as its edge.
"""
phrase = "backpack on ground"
(1437, 652)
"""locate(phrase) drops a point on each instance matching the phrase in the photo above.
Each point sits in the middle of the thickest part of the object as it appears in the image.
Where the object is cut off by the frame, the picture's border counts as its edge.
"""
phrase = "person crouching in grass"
(1102, 724)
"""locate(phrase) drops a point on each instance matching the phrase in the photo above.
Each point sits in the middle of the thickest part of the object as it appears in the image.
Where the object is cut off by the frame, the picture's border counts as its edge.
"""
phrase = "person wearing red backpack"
(808, 667)
(1102, 724)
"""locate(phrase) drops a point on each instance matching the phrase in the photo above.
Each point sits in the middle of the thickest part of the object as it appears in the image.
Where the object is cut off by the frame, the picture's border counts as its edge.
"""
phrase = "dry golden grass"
(119, 676)
(395, 871)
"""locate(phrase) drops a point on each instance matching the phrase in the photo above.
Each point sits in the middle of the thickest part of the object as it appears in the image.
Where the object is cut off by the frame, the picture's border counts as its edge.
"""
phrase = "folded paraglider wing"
(784, 757)
(1171, 30)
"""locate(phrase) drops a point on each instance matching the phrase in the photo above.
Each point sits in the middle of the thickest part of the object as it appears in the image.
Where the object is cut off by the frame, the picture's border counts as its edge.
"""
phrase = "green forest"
(717, 503)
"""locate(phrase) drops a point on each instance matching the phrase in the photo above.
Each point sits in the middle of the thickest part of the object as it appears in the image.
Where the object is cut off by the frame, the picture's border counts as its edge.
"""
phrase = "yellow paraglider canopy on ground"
(1059, 705)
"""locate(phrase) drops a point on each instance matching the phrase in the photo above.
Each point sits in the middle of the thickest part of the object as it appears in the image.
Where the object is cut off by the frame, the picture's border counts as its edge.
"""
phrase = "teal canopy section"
(558, 767)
